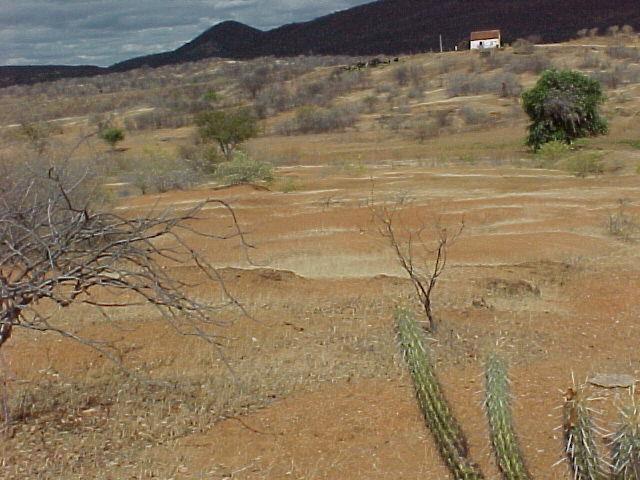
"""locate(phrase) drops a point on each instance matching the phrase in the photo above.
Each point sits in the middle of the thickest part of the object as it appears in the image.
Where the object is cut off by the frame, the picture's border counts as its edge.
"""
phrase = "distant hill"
(28, 74)
(381, 27)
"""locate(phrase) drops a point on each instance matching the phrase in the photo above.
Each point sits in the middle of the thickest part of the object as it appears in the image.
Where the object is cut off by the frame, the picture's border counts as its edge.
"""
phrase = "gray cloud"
(103, 32)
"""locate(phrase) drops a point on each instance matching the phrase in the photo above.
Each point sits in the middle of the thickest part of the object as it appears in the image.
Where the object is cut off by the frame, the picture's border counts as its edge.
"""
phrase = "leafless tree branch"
(58, 247)
(423, 268)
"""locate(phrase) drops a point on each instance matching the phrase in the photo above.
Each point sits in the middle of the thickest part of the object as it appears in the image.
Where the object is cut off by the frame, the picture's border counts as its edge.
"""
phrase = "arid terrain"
(309, 382)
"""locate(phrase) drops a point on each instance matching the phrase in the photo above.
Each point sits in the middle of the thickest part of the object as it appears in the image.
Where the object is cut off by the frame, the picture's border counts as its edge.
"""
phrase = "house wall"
(479, 44)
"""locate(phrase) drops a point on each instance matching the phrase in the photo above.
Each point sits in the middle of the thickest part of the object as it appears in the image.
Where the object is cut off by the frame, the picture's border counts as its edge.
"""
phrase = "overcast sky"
(102, 32)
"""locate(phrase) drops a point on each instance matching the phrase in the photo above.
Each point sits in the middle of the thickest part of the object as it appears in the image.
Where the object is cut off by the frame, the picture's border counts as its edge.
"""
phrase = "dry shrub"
(409, 74)
(495, 58)
(415, 93)
(424, 130)
(523, 47)
(620, 74)
(475, 116)
(322, 92)
(243, 169)
(160, 172)
(621, 223)
(311, 119)
(272, 100)
(623, 52)
(584, 164)
(370, 103)
(447, 64)
(594, 60)
(502, 84)
(156, 119)
(535, 63)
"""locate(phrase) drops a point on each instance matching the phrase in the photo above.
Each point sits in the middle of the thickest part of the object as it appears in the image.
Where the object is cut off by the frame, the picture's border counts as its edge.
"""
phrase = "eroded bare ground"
(318, 390)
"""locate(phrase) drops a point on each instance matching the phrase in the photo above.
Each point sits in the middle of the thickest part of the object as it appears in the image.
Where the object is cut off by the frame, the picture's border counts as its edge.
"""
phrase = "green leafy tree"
(563, 106)
(112, 135)
(228, 128)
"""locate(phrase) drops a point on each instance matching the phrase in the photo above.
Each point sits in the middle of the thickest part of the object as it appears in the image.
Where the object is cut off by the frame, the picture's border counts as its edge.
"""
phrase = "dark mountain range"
(381, 27)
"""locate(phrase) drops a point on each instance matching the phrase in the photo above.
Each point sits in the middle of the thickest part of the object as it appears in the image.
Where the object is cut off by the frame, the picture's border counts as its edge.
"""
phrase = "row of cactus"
(448, 435)
(581, 446)
(503, 437)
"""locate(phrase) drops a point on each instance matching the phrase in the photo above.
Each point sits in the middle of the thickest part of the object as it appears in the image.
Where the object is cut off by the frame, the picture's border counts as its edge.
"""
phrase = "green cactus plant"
(625, 444)
(446, 430)
(503, 437)
(580, 444)
(579, 438)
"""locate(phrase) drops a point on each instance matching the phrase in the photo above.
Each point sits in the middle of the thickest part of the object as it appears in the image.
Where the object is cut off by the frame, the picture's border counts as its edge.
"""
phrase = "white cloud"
(107, 31)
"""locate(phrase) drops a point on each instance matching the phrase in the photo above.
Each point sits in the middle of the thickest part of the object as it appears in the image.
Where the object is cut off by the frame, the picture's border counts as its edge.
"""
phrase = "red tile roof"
(485, 35)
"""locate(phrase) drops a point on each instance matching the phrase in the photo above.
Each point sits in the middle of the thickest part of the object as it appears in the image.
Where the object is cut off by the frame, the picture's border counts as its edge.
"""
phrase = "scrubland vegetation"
(462, 214)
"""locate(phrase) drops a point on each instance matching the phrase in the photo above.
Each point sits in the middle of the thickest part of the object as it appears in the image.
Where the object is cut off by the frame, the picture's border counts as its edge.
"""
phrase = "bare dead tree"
(58, 248)
(423, 259)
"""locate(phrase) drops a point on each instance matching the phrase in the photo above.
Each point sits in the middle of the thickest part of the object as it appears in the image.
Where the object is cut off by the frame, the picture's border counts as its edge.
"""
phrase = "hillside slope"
(384, 26)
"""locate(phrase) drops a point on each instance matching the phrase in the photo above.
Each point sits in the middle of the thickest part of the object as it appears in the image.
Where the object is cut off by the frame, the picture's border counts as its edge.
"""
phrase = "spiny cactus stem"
(446, 431)
(503, 438)
(579, 434)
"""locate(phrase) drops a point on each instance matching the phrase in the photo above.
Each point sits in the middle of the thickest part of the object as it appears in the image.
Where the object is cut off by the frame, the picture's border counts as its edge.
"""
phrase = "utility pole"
(440, 43)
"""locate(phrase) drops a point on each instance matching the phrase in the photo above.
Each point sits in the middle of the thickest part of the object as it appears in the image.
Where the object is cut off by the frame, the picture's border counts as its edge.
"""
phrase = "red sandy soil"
(523, 228)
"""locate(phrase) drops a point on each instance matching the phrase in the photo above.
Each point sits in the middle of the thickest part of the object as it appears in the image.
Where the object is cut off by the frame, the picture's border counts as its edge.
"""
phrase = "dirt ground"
(320, 391)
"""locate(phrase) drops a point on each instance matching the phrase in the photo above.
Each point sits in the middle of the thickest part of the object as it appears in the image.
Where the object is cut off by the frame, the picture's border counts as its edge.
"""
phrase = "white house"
(485, 39)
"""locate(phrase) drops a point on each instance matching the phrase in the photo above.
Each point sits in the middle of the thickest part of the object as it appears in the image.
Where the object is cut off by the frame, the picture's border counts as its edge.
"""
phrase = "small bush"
(612, 78)
(158, 172)
(156, 119)
(502, 84)
(621, 224)
(523, 47)
(415, 93)
(632, 143)
(272, 100)
(594, 60)
(497, 58)
(243, 169)
(288, 185)
(370, 103)
(424, 130)
(585, 164)
(473, 116)
(530, 63)
(622, 52)
(553, 151)
(112, 136)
